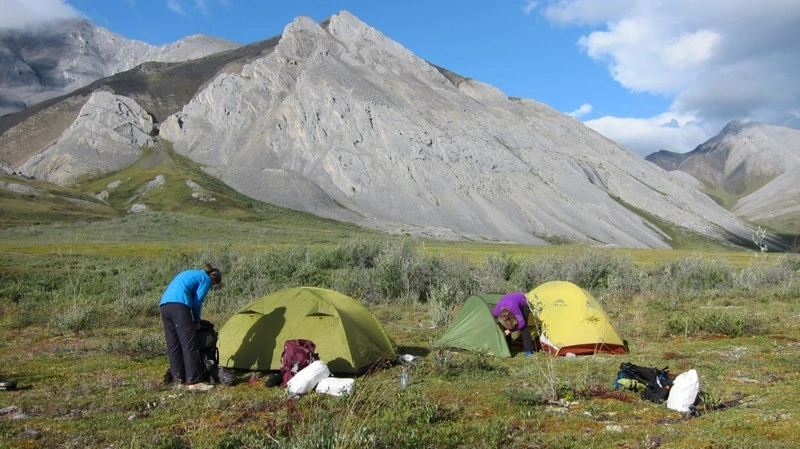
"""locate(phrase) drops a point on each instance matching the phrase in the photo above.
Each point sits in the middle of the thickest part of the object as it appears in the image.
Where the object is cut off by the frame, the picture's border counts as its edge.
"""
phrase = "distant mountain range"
(36, 65)
(337, 120)
(752, 169)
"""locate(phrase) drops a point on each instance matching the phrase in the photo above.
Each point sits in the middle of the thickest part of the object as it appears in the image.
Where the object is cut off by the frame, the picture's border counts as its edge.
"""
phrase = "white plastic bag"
(307, 378)
(684, 391)
(335, 386)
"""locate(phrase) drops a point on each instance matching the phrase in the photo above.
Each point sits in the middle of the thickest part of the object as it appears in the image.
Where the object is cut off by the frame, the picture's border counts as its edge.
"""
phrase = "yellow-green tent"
(572, 321)
(349, 338)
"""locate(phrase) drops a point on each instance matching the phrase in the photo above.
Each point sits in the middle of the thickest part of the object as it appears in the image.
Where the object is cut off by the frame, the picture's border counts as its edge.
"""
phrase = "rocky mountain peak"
(737, 126)
(344, 123)
(338, 120)
(749, 167)
(45, 62)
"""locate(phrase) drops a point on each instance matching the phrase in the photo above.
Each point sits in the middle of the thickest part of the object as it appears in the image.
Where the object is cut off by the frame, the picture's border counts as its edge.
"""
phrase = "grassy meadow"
(80, 331)
(81, 334)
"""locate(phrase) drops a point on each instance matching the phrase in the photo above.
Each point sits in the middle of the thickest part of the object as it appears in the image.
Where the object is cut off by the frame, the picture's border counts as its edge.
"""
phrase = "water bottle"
(404, 378)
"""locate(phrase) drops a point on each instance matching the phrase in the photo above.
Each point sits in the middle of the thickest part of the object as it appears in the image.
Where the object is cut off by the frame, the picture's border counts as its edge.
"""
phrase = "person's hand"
(506, 331)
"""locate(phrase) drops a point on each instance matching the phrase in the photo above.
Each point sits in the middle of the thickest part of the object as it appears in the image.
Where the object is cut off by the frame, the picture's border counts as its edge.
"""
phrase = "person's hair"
(214, 273)
(507, 319)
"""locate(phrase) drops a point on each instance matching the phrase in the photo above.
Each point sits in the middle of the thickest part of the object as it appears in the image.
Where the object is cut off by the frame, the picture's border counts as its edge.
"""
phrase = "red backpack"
(297, 354)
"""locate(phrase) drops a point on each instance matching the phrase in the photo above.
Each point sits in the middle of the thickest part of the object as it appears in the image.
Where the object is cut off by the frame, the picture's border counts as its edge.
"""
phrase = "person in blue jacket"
(511, 312)
(181, 307)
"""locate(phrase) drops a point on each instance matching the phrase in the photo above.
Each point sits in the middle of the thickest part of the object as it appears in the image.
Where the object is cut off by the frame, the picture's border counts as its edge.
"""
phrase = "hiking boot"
(200, 386)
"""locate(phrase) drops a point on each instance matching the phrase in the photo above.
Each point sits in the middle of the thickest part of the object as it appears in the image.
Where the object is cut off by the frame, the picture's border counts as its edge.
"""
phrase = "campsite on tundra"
(81, 336)
(369, 209)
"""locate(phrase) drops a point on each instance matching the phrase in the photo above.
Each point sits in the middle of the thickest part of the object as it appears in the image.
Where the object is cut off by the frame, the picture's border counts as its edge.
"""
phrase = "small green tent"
(475, 329)
(349, 338)
(573, 321)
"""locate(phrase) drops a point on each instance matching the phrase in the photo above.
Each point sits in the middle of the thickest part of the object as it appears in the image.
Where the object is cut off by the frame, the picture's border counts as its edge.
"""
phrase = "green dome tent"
(474, 328)
(349, 338)
(573, 321)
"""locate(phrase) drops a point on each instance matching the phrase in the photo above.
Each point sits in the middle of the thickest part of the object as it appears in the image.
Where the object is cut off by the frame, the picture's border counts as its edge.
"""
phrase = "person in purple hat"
(511, 312)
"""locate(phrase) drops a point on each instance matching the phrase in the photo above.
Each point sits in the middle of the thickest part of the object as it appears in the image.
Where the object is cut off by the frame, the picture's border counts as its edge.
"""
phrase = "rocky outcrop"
(108, 135)
(342, 122)
(57, 59)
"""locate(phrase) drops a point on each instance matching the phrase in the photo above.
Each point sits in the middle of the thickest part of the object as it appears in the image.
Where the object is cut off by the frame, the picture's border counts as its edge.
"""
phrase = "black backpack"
(657, 381)
(206, 340)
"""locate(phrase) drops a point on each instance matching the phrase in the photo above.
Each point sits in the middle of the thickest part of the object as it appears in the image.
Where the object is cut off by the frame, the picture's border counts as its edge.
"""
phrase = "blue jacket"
(514, 302)
(190, 289)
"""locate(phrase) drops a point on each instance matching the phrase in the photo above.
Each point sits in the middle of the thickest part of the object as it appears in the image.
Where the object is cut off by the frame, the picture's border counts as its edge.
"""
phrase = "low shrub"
(77, 318)
(442, 302)
(493, 273)
(715, 322)
(692, 275)
(358, 284)
(470, 364)
(137, 347)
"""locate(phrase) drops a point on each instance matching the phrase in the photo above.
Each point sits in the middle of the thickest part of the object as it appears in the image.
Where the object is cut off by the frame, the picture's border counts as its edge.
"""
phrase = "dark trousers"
(525, 332)
(184, 357)
(527, 340)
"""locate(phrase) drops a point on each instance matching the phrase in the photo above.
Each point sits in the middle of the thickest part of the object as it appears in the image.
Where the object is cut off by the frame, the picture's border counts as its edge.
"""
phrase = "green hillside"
(26, 202)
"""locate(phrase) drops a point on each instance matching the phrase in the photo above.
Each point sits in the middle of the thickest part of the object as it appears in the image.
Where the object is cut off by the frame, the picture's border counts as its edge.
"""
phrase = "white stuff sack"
(307, 378)
(684, 391)
(335, 386)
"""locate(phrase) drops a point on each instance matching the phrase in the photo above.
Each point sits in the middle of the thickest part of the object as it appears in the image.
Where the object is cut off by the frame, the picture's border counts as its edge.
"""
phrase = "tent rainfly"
(475, 329)
(572, 321)
(348, 337)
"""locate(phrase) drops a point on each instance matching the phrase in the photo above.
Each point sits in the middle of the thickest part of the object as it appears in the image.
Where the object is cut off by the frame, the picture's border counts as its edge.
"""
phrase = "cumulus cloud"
(581, 111)
(663, 132)
(18, 14)
(716, 61)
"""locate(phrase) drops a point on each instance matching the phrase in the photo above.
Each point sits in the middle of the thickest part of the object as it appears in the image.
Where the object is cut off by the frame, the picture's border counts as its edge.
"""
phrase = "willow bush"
(696, 323)
(70, 291)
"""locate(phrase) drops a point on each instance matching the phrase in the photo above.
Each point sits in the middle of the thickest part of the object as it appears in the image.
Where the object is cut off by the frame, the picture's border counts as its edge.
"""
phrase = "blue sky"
(648, 74)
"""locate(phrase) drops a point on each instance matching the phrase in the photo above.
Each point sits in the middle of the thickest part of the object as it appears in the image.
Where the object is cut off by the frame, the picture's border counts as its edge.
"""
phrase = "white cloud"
(25, 13)
(177, 7)
(716, 61)
(644, 58)
(581, 111)
(587, 12)
(529, 6)
(667, 131)
(186, 7)
(690, 50)
(202, 6)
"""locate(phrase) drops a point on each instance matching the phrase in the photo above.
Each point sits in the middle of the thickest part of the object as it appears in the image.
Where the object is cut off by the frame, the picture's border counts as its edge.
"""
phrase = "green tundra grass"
(81, 334)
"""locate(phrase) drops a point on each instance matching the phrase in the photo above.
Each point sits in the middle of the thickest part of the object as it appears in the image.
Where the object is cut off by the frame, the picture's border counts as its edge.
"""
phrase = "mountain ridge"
(339, 121)
(70, 54)
(750, 168)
